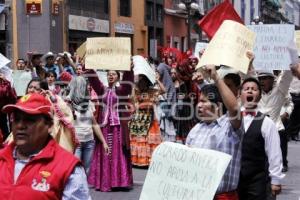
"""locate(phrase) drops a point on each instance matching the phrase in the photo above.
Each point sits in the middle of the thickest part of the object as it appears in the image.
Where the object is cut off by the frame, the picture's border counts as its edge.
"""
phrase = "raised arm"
(126, 84)
(228, 97)
(94, 81)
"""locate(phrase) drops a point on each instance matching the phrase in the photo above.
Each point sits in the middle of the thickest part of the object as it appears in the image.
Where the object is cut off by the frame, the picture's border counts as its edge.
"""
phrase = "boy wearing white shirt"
(261, 161)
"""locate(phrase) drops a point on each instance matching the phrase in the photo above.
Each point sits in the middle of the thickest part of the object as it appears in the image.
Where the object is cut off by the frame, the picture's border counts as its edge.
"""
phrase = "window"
(150, 11)
(89, 8)
(159, 13)
(2, 1)
(125, 8)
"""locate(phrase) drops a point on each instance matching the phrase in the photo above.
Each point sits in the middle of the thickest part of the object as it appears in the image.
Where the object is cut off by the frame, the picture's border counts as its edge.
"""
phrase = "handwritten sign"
(271, 46)
(3, 61)
(112, 53)
(179, 172)
(199, 47)
(80, 51)
(229, 46)
(141, 66)
(297, 38)
(21, 79)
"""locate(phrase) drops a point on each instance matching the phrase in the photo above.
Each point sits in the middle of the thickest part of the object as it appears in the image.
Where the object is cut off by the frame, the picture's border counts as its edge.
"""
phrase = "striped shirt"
(220, 136)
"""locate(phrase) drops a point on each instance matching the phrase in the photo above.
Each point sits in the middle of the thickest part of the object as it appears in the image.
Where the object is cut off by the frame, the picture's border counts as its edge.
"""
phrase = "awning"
(2, 7)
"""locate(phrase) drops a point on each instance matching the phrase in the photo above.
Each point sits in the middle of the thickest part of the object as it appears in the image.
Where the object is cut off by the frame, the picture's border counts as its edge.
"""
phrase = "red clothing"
(227, 196)
(43, 177)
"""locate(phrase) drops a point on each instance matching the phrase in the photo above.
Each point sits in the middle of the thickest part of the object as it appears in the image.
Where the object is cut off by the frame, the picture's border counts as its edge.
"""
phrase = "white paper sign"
(3, 61)
(141, 66)
(199, 47)
(21, 79)
(271, 46)
(178, 172)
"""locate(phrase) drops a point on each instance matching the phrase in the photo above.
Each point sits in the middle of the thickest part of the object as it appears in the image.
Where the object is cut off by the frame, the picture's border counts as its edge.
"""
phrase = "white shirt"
(295, 86)
(272, 147)
(271, 103)
(84, 124)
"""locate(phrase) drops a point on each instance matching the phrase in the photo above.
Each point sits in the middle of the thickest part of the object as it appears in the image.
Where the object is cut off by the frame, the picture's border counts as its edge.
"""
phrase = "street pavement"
(290, 191)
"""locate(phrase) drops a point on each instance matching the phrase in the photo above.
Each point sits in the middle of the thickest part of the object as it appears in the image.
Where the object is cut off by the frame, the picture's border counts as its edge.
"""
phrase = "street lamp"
(188, 6)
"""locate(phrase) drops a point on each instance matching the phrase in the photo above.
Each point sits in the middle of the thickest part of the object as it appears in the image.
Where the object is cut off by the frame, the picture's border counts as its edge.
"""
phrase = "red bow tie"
(245, 113)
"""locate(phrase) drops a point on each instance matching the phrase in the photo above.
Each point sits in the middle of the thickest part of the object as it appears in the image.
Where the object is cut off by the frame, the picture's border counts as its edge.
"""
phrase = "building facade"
(86, 19)
(291, 10)
(155, 23)
(247, 9)
(63, 25)
(127, 19)
(34, 25)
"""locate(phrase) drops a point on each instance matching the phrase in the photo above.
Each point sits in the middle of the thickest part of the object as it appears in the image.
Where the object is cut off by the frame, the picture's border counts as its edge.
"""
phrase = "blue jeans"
(84, 152)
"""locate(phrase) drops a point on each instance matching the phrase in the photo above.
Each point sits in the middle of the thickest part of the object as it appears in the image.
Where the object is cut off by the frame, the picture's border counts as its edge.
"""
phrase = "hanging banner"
(33, 7)
(229, 46)
(111, 53)
(271, 46)
(178, 172)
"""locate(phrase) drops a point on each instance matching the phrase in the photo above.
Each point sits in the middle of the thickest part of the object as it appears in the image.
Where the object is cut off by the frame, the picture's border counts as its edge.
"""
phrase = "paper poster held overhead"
(272, 46)
(111, 53)
(3, 61)
(141, 66)
(229, 46)
(80, 51)
(179, 172)
(297, 38)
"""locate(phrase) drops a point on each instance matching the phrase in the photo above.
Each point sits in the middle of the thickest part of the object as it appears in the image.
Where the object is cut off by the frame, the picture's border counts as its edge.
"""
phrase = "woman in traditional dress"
(144, 127)
(112, 170)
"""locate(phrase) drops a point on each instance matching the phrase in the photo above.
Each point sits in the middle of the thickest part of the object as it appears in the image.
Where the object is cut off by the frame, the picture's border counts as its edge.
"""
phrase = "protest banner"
(141, 66)
(271, 46)
(199, 47)
(179, 172)
(80, 51)
(229, 46)
(112, 53)
(21, 78)
(3, 61)
(297, 38)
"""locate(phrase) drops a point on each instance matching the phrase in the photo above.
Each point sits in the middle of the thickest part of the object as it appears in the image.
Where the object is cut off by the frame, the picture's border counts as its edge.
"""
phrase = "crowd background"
(115, 122)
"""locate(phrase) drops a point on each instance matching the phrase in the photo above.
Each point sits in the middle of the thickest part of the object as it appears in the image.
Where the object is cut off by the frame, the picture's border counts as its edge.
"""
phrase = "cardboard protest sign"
(179, 172)
(271, 46)
(81, 50)
(111, 53)
(3, 61)
(21, 79)
(229, 46)
(297, 38)
(141, 66)
(199, 47)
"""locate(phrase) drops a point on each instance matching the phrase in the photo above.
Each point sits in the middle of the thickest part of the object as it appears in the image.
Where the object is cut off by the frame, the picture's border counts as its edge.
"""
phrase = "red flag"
(211, 22)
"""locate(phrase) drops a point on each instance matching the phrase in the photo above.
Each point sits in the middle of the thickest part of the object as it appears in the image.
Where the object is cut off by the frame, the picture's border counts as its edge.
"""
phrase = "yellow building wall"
(137, 19)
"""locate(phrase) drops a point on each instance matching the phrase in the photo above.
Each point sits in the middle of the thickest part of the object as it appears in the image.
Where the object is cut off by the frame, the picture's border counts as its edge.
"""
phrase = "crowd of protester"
(113, 124)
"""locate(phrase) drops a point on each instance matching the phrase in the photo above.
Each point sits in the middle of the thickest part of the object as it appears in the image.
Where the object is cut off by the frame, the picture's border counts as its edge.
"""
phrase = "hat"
(47, 55)
(31, 104)
(265, 74)
(65, 77)
(65, 53)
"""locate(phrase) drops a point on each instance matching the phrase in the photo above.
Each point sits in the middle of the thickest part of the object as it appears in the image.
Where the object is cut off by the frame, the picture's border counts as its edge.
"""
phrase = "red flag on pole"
(211, 22)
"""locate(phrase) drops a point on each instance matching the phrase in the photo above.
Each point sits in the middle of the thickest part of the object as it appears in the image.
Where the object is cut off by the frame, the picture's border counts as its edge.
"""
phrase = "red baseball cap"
(32, 104)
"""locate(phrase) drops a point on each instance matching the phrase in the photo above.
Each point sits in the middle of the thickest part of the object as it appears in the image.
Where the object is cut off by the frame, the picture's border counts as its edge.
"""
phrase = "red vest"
(44, 177)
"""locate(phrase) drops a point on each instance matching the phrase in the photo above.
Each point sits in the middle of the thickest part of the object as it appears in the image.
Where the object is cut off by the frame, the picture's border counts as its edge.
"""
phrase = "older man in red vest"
(34, 166)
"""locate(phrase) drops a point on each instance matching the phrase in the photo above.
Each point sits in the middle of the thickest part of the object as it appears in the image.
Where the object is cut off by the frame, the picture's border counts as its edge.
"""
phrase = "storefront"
(81, 28)
(125, 30)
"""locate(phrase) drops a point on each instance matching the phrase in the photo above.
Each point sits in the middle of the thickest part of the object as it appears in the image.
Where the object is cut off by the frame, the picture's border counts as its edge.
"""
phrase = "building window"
(89, 8)
(150, 11)
(125, 8)
(159, 13)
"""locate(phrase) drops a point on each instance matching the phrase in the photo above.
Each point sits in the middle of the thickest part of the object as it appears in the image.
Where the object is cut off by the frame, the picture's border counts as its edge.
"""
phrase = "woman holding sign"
(112, 170)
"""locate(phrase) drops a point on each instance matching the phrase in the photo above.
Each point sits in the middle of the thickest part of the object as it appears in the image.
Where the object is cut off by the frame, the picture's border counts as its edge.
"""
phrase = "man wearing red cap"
(34, 166)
